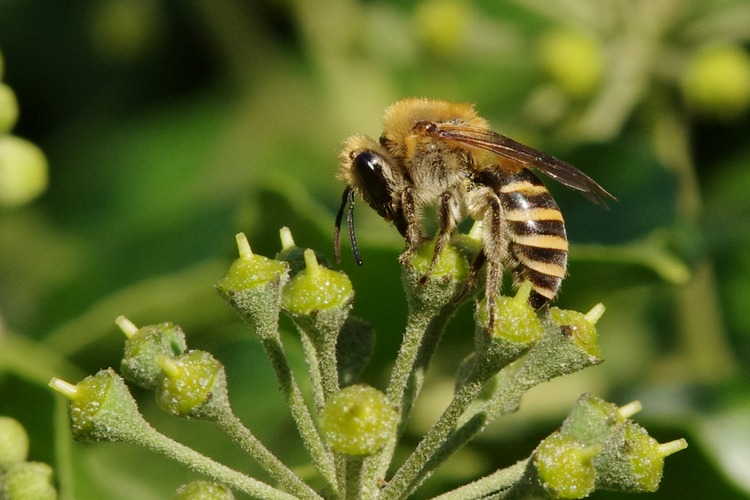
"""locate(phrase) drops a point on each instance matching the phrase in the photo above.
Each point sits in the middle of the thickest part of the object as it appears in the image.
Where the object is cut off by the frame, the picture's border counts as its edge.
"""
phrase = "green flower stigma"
(101, 407)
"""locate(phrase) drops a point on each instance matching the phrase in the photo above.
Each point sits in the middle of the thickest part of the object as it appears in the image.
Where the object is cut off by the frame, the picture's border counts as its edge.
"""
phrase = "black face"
(369, 168)
(376, 187)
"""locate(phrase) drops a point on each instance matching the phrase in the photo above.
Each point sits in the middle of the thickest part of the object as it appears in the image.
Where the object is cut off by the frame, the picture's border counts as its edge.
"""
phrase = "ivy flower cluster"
(353, 432)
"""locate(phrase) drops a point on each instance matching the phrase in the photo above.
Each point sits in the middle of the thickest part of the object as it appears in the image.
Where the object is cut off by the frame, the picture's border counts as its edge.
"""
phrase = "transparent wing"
(523, 155)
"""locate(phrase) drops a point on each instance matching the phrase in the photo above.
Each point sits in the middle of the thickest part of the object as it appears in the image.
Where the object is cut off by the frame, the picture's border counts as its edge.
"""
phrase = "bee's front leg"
(412, 231)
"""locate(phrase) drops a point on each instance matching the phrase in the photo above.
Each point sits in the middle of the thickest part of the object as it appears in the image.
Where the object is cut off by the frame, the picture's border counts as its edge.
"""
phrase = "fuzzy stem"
(423, 332)
(245, 439)
(313, 368)
(353, 474)
(503, 402)
(267, 330)
(424, 459)
(329, 365)
(150, 438)
(497, 481)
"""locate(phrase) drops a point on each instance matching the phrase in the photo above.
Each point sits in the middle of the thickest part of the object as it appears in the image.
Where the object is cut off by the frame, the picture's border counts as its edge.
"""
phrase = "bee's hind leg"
(494, 251)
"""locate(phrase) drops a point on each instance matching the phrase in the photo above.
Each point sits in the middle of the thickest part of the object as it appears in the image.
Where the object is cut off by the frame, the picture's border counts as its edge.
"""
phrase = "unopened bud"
(316, 288)
(28, 480)
(14, 443)
(358, 420)
(144, 345)
(192, 385)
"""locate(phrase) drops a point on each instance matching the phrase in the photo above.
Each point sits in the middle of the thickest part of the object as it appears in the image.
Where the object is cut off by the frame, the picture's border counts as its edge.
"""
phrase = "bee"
(442, 154)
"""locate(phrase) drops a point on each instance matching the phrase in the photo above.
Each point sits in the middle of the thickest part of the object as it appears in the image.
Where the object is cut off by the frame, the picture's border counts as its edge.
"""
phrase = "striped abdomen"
(537, 246)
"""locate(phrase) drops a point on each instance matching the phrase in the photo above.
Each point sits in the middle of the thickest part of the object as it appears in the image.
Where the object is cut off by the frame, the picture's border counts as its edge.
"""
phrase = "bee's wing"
(525, 156)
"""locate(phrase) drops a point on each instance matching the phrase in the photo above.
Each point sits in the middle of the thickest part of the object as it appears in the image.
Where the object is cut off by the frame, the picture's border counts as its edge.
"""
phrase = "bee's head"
(368, 170)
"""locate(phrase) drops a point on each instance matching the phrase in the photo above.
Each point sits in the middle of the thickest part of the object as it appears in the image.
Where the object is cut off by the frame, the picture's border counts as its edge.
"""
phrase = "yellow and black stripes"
(537, 243)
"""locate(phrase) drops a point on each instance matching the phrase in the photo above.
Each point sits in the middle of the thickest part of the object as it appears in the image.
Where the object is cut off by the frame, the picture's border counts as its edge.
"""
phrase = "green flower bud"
(250, 270)
(716, 81)
(101, 408)
(436, 293)
(592, 420)
(450, 264)
(579, 327)
(316, 288)
(203, 490)
(23, 171)
(443, 24)
(568, 346)
(515, 320)
(144, 345)
(8, 109)
(515, 330)
(358, 420)
(565, 466)
(26, 481)
(633, 461)
(193, 385)
(574, 60)
(253, 287)
(14, 443)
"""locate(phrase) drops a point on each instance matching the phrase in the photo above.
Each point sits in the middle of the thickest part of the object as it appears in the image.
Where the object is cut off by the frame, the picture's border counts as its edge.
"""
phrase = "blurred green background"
(169, 126)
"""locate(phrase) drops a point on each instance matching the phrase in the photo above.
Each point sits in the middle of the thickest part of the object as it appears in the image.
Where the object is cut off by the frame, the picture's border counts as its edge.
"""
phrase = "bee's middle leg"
(449, 215)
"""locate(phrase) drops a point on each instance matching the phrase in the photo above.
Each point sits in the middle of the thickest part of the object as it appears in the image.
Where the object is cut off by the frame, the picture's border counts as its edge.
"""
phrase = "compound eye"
(369, 168)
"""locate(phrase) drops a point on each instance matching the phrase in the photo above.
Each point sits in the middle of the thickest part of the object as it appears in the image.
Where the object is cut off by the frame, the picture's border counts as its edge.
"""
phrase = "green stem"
(494, 483)
(313, 369)
(425, 458)
(266, 323)
(329, 365)
(153, 440)
(504, 401)
(245, 439)
(353, 475)
(423, 332)
(63, 448)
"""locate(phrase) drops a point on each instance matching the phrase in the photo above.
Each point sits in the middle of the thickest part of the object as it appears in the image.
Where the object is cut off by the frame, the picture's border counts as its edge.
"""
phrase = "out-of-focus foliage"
(169, 126)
